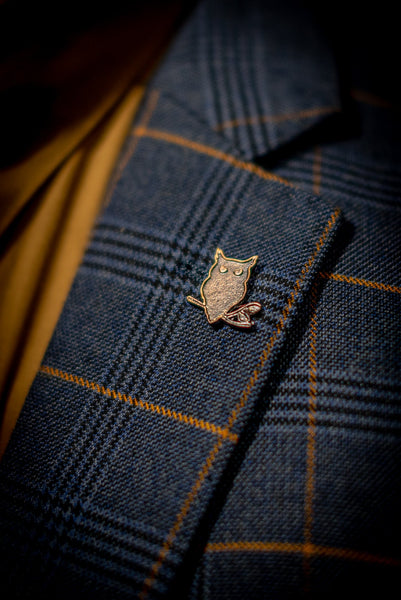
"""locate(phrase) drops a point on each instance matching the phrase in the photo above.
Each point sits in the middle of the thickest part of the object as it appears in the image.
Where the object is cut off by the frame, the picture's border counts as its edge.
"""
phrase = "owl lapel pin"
(224, 288)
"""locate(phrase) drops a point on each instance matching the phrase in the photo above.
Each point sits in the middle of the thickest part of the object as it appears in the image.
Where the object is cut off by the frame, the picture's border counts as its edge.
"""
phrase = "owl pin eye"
(223, 269)
(238, 272)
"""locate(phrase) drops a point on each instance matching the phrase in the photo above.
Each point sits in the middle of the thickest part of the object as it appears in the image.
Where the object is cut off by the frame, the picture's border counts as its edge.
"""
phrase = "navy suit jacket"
(158, 455)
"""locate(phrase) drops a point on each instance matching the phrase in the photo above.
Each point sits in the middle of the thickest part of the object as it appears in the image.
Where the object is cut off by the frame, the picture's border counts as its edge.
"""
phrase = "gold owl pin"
(224, 288)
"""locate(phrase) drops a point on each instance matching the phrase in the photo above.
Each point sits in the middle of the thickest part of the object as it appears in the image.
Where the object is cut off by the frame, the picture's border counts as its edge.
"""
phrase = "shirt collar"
(260, 73)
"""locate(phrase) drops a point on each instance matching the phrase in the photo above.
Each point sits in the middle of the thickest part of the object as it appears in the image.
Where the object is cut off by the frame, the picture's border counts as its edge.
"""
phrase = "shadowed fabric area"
(71, 80)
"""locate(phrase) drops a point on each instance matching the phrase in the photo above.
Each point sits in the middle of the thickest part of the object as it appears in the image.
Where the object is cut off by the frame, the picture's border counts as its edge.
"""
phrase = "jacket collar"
(262, 90)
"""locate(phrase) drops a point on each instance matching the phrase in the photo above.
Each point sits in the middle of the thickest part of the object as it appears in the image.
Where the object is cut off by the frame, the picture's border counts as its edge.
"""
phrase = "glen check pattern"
(157, 457)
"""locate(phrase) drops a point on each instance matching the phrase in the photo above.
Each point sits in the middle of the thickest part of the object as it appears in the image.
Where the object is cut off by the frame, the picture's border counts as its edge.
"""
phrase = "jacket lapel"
(260, 90)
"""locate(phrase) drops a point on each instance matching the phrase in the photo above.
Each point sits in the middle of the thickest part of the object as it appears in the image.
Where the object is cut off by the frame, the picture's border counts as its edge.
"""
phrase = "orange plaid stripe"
(149, 406)
(171, 138)
(294, 116)
(306, 549)
(357, 281)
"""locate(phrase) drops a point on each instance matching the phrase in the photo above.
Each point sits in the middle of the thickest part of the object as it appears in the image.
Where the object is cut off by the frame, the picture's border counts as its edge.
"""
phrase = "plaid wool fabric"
(158, 456)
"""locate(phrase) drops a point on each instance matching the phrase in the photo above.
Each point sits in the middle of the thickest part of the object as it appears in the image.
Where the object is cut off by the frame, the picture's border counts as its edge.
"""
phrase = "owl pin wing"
(241, 316)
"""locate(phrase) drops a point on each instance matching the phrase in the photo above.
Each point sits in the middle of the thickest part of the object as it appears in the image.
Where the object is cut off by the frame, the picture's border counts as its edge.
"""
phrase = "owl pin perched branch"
(224, 288)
